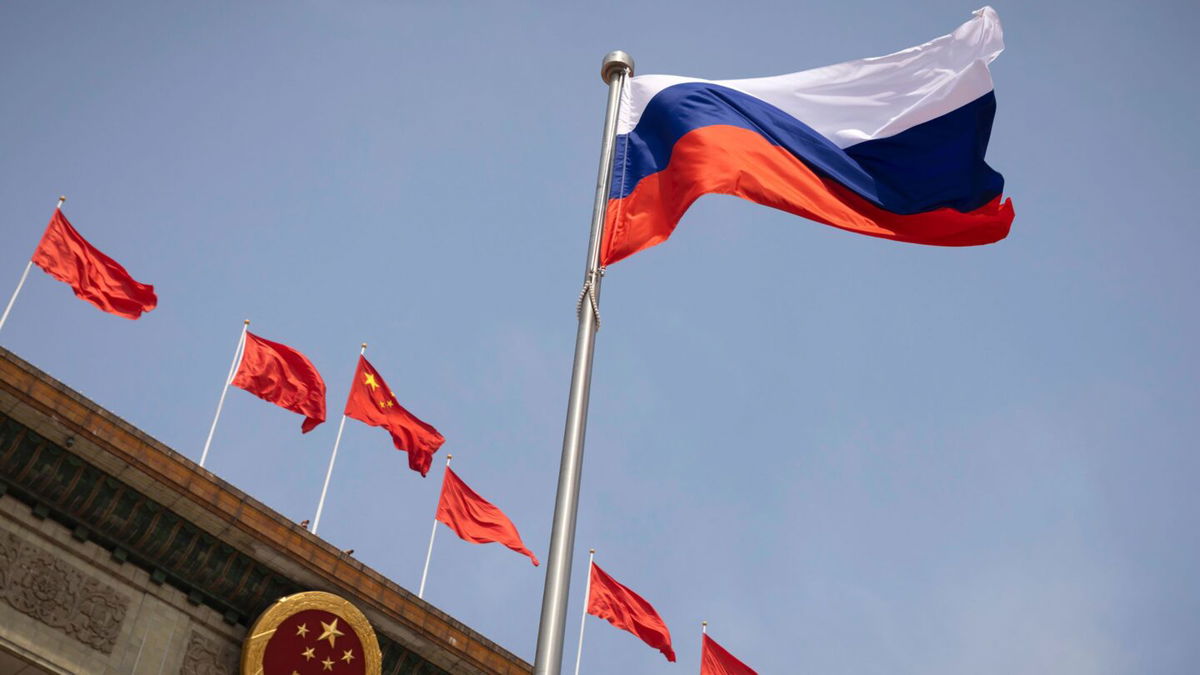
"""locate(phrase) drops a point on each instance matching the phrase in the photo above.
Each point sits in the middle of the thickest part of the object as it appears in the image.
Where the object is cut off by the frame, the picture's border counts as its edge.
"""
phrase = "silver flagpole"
(24, 275)
(432, 535)
(704, 628)
(587, 592)
(333, 457)
(237, 358)
(617, 68)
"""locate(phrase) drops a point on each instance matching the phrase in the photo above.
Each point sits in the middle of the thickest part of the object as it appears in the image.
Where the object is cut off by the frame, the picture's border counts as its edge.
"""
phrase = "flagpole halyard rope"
(589, 292)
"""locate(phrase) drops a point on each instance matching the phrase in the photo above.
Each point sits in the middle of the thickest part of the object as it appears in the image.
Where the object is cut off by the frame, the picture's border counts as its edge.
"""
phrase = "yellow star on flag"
(370, 381)
(331, 632)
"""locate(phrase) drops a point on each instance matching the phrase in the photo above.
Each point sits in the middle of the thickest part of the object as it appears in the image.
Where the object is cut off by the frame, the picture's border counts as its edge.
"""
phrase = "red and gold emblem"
(309, 634)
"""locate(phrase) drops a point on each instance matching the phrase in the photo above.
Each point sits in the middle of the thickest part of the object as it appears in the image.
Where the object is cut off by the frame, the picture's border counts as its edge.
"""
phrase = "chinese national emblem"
(309, 634)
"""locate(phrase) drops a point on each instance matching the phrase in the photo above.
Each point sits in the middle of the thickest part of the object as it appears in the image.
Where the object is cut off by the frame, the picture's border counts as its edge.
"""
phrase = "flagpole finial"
(364, 345)
(62, 198)
(615, 62)
(246, 322)
(449, 457)
(703, 623)
(591, 551)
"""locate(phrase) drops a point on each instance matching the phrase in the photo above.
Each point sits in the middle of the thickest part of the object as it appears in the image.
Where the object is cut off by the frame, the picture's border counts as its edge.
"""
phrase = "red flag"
(94, 277)
(714, 660)
(283, 376)
(475, 519)
(372, 402)
(625, 609)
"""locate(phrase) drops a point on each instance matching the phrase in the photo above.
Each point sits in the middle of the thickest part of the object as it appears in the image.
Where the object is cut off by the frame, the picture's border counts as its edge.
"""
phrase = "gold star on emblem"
(371, 382)
(348, 656)
(308, 654)
(331, 632)
(302, 630)
(328, 664)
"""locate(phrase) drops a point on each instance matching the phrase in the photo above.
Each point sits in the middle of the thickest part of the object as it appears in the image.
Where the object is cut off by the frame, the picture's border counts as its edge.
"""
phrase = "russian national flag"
(891, 146)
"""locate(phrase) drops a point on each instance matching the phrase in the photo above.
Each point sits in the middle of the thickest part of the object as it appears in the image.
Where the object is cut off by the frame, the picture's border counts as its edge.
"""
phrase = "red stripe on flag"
(734, 161)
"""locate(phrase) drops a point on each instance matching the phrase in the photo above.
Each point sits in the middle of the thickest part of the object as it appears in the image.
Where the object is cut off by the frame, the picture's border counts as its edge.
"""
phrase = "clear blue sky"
(849, 455)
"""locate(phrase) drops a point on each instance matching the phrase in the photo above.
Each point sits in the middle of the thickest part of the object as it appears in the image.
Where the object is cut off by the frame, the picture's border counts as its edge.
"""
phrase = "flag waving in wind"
(891, 146)
(714, 660)
(474, 518)
(627, 610)
(95, 277)
(281, 375)
(372, 402)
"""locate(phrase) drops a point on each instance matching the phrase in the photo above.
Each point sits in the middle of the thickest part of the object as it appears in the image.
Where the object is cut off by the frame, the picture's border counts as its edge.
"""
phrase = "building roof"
(117, 486)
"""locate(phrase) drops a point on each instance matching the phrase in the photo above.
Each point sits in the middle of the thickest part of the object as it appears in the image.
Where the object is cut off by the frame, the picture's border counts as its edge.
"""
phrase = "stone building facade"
(121, 556)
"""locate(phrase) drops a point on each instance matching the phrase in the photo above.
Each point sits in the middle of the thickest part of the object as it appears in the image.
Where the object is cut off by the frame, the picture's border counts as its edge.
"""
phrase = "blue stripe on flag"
(939, 163)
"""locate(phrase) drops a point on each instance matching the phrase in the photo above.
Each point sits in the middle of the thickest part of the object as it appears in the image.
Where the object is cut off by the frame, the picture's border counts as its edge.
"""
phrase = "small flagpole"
(704, 628)
(24, 275)
(429, 555)
(552, 627)
(333, 457)
(238, 352)
(587, 592)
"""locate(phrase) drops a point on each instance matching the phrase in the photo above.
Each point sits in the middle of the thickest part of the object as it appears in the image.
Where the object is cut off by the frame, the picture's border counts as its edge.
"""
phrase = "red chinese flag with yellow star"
(372, 402)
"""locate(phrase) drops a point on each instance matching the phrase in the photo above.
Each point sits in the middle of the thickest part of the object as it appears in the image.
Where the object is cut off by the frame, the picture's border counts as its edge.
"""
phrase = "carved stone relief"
(204, 657)
(36, 583)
